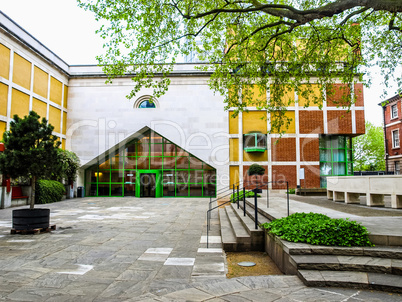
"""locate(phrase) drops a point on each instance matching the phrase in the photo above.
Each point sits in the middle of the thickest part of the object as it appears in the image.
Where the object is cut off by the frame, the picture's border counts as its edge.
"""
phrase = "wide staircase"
(378, 267)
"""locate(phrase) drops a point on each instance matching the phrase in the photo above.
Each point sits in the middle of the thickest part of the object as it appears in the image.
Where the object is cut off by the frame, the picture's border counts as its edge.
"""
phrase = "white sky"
(69, 32)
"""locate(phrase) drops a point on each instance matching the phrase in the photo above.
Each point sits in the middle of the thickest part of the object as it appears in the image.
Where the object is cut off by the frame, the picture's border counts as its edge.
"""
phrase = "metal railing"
(236, 188)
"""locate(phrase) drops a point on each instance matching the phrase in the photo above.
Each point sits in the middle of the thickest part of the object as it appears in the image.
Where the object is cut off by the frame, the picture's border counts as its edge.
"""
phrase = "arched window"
(146, 101)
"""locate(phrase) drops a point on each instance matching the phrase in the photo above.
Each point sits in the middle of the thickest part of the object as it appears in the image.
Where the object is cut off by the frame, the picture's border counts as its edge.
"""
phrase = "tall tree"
(275, 44)
(30, 150)
(368, 149)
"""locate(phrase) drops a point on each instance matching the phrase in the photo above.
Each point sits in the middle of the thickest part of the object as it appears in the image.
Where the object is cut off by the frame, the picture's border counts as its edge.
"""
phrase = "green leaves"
(48, 191)
(319, 229)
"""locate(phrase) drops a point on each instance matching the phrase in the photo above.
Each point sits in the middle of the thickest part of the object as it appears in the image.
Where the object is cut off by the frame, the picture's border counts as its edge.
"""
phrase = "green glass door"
(147, 184)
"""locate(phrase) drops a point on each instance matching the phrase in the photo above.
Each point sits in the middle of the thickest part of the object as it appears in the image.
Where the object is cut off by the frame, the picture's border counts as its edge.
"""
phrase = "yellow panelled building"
(32, 80)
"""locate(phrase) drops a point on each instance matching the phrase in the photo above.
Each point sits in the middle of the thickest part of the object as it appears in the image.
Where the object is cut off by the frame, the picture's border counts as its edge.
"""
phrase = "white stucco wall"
(189, 114)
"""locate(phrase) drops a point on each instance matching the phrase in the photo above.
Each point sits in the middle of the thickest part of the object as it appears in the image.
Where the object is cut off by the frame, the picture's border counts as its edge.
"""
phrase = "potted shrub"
(30, 151)
(69, 164)
(256, 171)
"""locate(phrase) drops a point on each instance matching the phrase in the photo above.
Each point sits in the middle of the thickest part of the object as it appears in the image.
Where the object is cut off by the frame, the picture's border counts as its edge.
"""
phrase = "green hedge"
(48, 191)
(319, 229)
(248, 195)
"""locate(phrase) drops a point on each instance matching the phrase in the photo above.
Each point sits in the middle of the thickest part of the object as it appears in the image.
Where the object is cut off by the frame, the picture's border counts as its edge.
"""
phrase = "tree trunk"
(33, 186)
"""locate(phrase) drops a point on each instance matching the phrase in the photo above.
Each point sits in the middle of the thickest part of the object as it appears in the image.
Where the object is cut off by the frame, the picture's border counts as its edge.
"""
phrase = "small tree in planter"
(30, 151)
(68, 164)
(257, 171)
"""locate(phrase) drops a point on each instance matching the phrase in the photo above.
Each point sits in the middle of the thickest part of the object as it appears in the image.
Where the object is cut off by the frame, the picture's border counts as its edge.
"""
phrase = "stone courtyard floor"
(129, 249)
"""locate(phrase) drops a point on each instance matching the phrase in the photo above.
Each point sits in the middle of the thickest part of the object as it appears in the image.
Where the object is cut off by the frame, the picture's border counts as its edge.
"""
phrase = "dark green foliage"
(256, 169)
(292, 191)
(48, 191)
(68, 164)
(319, 229)
(30, 148)
(233, 197)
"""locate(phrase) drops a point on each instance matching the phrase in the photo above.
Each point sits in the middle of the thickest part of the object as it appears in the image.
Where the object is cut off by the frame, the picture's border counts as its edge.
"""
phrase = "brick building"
(392, 114)
(184, 143)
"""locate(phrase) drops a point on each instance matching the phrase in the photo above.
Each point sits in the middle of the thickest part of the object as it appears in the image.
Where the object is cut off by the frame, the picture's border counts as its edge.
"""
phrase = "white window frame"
(395, 142)
(394, 113)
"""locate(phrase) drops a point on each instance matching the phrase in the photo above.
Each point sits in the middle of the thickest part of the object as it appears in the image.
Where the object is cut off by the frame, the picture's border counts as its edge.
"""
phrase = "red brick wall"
(339, 122)
(396, 151)
(359, 95)
(311, 177)
(336, 94)
(311, 121)
(360, 125)
(283, 149)
(309, 149)
(251, 181)
(284, 173)
(388, 113)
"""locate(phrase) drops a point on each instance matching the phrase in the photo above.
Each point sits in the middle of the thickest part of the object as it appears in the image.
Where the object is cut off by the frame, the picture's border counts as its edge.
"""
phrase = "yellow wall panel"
(19, 103)
(291, 128)
(234, 175)
(41, 82)
(233, 123)
(258, 96)
(310, 95)
(3, 99)
(287, 98)
(56, 88)
(55, 118)
(234, 149)
(3, 127)
(254, 121)
(65, 96)
(63, 144)
(255, 156)
(40, 108)
(21, 72)
(4, 62)
(64, 122)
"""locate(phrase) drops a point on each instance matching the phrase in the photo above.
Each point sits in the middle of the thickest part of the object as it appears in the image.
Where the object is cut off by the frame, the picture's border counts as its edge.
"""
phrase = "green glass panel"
(92, 190)
(156, 149)
(196, 176)
(105, 165)
(168, 177)
(339, 169)
(182, 163)
(169, 162)
(209, 190)
(91, 174)
(130, 163)
(350, 169)
(338, 155)
(181, 152)
(182, 176)
(349, 155)
(116, 162)
(168, 190)
(142, 149)
(325, 155)
(156, 162)
(195, 163)
(104, 176)
(196, 190)
(325, 168)
(129, 189)
(325, 142)
(155, 138)
(130, 150)
(117, 176)
(103, 190)
(169, 149)
(129, 176)
(116, 190)
(323, 182)
(209, 176)
(181, 189)
(143, 163)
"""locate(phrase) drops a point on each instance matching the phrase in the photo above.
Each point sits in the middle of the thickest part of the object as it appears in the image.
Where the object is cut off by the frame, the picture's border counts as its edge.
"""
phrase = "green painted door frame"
(158, 182)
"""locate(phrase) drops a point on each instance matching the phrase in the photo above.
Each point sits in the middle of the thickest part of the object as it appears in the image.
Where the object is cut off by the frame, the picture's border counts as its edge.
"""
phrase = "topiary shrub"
(319, 229)
(256, 169)
(48, 191)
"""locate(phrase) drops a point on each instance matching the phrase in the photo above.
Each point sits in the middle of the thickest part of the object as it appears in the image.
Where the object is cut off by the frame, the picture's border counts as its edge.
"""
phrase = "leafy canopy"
(277, 44)
(368, 149)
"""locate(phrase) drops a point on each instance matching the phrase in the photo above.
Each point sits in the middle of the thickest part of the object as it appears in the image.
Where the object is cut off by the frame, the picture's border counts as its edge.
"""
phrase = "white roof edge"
(30, 41)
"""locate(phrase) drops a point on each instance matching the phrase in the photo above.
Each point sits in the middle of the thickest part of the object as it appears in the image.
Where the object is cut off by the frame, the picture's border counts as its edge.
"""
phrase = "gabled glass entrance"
(151, 166)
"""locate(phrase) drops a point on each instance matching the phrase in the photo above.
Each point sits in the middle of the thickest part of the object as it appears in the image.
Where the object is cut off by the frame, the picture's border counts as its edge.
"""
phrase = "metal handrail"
(236, 197)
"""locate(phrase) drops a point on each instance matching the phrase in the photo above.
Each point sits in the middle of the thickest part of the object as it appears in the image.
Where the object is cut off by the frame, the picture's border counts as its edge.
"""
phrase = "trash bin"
(80, 192)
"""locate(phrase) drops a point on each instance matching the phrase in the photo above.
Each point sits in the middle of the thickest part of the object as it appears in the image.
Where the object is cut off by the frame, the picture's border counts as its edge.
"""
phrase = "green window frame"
(255, 142)
(181, 173)
(336, 157)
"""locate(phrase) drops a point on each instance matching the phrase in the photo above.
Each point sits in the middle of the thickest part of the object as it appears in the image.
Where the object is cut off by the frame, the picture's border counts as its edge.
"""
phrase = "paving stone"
(190, 294)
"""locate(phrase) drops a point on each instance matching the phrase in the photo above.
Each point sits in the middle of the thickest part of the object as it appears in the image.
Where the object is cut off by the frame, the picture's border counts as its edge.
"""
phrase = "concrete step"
(229, 243)
(243, 239)
(347, 263)
(367, 280)
(256, 235)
